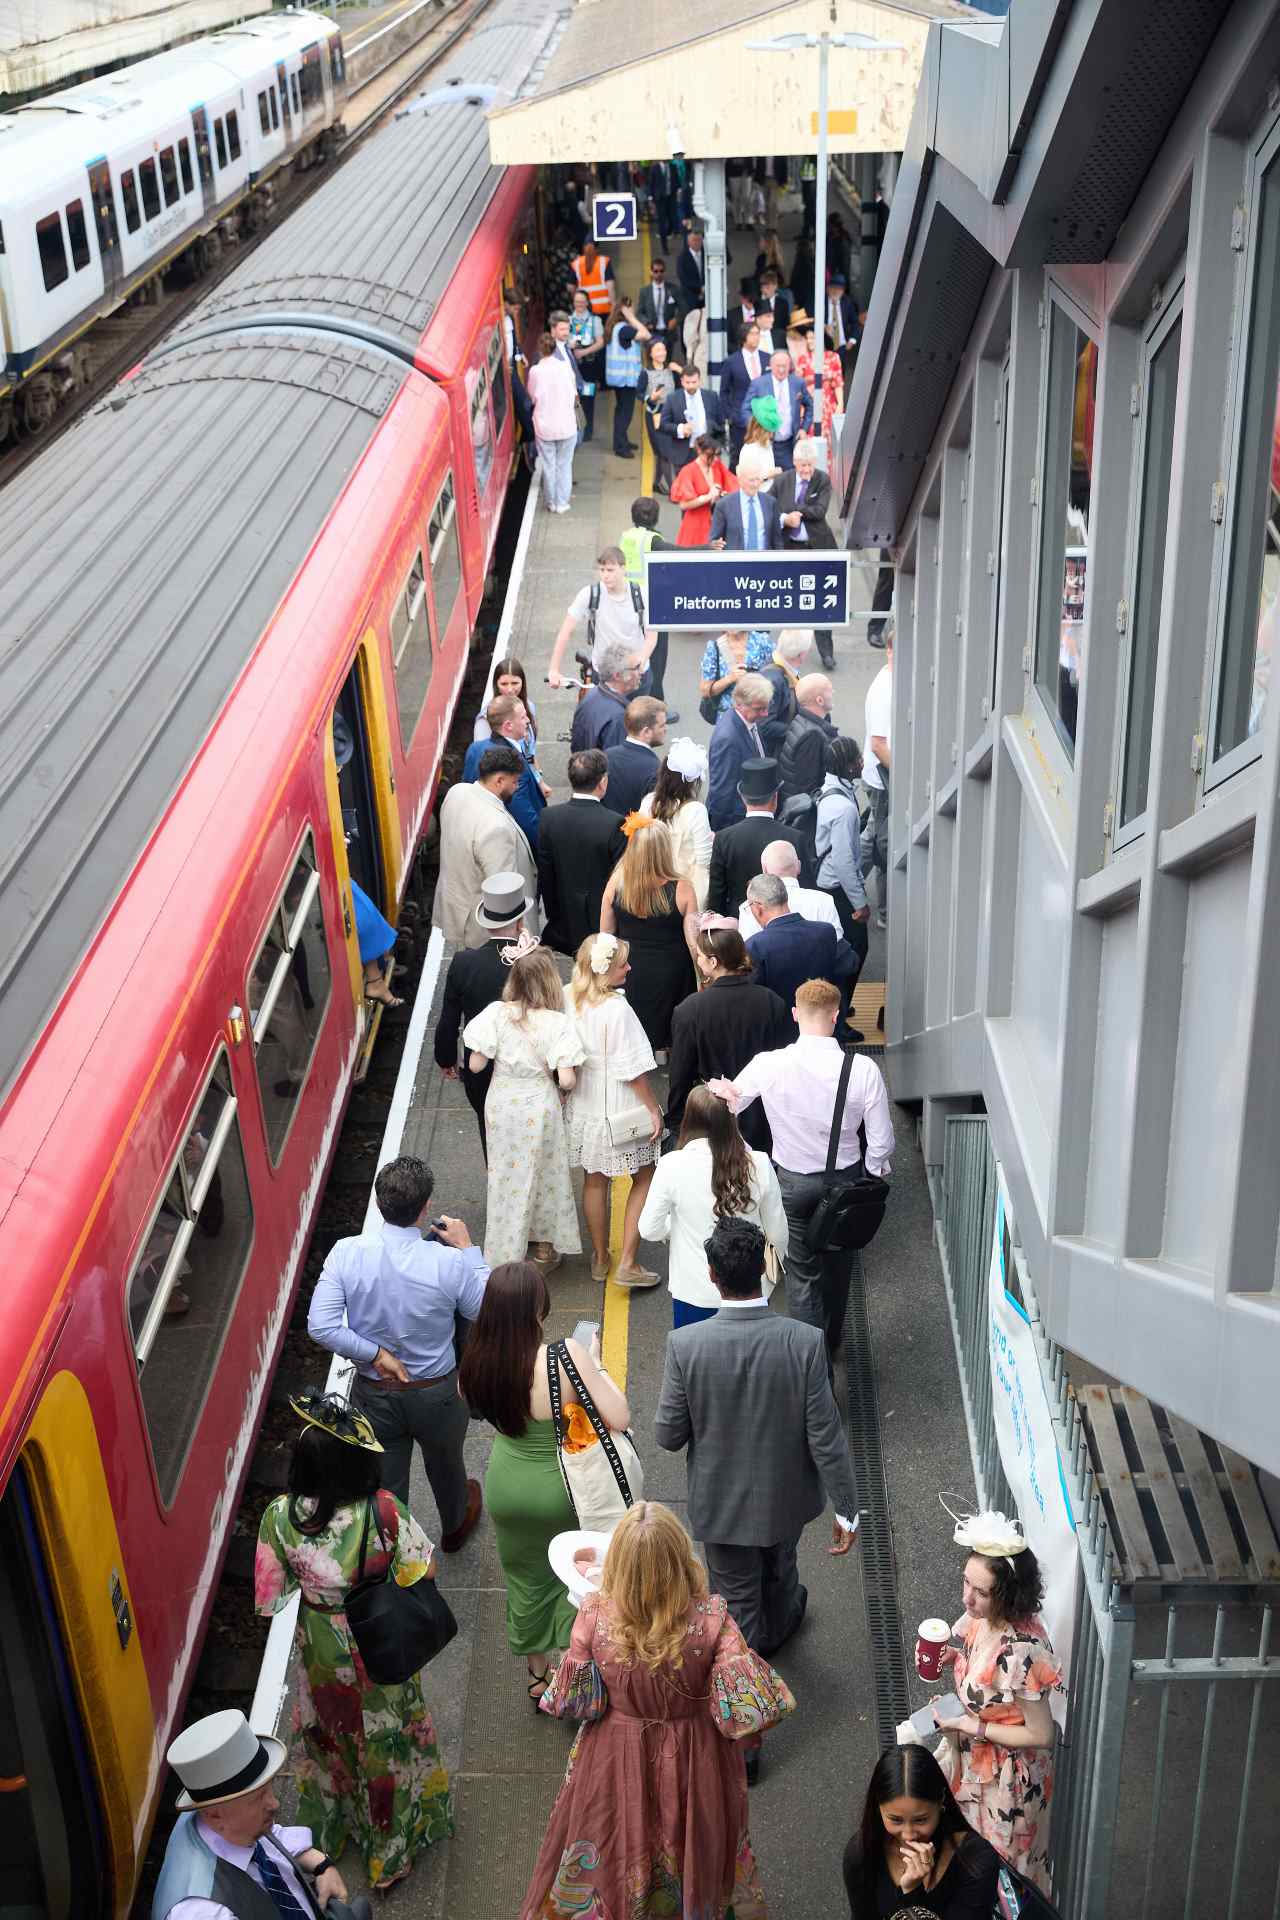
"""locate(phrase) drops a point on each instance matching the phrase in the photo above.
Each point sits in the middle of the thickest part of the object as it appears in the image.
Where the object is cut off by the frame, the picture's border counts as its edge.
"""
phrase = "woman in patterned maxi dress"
(367, 1763)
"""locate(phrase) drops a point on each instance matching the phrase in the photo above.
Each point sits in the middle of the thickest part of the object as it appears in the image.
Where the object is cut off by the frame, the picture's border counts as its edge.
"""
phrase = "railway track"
(395, 69)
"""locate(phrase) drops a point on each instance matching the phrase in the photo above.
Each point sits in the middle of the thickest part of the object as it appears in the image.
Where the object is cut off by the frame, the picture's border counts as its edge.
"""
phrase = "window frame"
(275, 107)
(149, 212)
(220, 144)
(399, 645)
(129, 201)
(46, 225)
(77, 235)
(1000, 504)
(286, 934)
(169, 175)
(496, 367)
(297, 95)
(264, 114)
(233, 133)
(185, 165)
(436, 536)
(1155, 336)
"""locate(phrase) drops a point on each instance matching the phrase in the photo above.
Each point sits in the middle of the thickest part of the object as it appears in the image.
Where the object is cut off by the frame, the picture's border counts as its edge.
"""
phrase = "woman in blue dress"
(377, 937)
(726, 659)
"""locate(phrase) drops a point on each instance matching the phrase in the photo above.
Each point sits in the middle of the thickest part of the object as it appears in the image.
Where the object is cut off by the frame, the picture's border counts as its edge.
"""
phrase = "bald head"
(814, 694)
(780, 859)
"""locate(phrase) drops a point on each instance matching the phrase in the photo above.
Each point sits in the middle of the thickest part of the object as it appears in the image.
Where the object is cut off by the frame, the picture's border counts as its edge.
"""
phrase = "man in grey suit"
(747, 1393)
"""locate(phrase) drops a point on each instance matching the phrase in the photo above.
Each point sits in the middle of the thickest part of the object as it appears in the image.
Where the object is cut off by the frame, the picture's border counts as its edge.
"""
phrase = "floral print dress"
(367, 1764)
(652, 1818)
(1004, 1792)
(530, 1195)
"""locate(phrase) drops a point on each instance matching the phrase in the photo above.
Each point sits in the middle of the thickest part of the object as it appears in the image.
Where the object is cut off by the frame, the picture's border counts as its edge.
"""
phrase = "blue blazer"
(801, 400)
(526, 803)
(727, 522)
(731, 744)
(791, 950)
(734, 382)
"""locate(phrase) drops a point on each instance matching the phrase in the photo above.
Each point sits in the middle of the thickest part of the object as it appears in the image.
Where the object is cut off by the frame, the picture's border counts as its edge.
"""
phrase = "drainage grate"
(879, 1574)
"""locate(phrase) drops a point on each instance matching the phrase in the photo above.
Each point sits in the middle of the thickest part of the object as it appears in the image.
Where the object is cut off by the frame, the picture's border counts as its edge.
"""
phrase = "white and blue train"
(103, 185)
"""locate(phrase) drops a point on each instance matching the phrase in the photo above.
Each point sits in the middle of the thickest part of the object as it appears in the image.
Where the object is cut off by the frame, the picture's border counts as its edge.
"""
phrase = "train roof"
(378, 243)
(145, 555)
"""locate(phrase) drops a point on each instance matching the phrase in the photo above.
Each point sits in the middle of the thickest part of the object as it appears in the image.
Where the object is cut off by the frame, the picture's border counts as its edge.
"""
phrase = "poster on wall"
(1028, 1447)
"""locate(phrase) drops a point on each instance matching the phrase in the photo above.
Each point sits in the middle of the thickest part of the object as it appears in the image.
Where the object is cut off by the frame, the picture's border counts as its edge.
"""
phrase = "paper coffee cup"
(931, 1637)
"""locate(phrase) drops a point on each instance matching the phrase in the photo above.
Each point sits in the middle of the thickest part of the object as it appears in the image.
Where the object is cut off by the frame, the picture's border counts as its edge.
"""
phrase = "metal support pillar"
(709, 205)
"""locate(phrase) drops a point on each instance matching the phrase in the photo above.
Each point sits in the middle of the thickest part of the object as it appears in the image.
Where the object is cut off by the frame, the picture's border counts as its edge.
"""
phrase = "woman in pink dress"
(652, 1816)
(802, 346)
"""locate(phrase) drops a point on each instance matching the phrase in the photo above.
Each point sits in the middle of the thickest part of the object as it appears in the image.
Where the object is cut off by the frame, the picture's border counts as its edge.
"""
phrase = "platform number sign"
(614, 216)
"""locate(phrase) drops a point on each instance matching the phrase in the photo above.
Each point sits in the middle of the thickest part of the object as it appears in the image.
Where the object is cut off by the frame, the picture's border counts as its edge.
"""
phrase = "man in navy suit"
(794, 403)
(633, 763)
(747, 521)
(735, 738)
(740, 369)
(788, 950)
(691, 269)
(687, 413)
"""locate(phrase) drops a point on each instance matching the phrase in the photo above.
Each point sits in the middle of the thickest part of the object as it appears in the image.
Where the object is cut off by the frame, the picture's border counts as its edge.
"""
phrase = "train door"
(204, 159)
(282, 82)
(104, 214)
(353, 751)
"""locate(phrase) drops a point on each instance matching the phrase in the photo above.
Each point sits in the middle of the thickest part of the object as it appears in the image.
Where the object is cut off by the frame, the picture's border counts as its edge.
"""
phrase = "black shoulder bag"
(397, 1629)
(850, 1211)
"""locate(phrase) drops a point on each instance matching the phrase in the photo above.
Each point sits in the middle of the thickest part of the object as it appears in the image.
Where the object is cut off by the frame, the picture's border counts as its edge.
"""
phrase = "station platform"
(896, 1382)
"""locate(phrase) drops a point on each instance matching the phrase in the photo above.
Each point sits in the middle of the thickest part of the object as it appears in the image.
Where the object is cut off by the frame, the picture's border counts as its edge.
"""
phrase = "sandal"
(540, 1681)
(386, 998)
(600, 1268)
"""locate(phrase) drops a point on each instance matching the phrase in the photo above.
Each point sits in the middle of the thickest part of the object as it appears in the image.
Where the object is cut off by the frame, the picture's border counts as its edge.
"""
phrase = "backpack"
(800, 813)
(593, 607)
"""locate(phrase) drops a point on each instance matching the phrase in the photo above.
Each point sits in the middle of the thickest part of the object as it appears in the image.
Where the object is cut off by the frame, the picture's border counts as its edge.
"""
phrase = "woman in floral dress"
(1000, 1753)
(535, 1050)
(652, 1816)
(367, 1764)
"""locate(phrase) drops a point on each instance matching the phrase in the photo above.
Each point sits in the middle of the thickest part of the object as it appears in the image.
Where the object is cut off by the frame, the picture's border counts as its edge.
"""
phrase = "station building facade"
(1064, 425)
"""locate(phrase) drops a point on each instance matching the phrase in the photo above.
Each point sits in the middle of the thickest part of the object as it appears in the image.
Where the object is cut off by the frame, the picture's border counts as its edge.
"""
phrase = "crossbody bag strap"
(842, 1094)
(593, 608)
(557, 1418)
(364, 1541)
(603, 1434)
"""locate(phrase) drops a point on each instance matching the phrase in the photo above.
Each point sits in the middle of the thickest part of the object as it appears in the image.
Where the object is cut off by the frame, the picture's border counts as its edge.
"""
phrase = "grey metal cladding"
(145, 555)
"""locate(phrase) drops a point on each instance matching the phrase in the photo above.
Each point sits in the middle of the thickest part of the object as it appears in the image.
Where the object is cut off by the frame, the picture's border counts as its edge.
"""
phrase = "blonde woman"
(676, 801)
(609, 1107)
(646, 900)
(669, 1695)
(535, 1050)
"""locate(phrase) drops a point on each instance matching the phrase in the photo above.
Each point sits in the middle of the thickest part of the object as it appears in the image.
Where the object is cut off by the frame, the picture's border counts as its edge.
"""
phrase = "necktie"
(757, 743)
(658, 299)
(274, 1883)
(754, 541)
(801, 532)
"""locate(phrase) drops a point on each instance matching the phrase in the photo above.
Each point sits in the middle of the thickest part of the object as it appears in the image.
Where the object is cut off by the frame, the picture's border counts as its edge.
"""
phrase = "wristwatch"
(322, 1866)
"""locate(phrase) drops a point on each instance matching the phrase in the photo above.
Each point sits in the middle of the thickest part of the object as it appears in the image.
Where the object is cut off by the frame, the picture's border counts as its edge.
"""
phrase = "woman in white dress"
(535, 1049)
(713, 1174)
(675, 802)
(611, 1103)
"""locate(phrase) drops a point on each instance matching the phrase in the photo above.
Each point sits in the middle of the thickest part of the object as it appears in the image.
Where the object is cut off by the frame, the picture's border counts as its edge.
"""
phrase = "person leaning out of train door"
(387, 1299)
(226, 1851)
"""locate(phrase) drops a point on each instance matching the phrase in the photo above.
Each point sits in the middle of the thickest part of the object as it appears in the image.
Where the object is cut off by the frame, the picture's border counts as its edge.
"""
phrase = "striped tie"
(274, 1883)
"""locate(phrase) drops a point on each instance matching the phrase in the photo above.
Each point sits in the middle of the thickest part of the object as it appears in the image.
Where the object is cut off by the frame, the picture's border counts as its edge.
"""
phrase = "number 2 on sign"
(615, 220)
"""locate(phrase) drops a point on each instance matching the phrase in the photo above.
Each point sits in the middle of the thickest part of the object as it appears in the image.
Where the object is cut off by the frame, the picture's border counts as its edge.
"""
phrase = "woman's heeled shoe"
(384, 999)
(538, 1684)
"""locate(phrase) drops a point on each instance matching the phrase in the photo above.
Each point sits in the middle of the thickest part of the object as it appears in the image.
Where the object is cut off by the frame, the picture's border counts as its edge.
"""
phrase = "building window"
(150, 189)
(129, 195)
(997, 532)
(78, 235)
(1252, 574)
(220, 142)
(183, 1290)
(498, 381)
(287, 996)
(1065, 490)
(169, 177)
(446, 561)
(53, 252)
(233, 134)
(1158, 394)
(264, 113)
(411, 648)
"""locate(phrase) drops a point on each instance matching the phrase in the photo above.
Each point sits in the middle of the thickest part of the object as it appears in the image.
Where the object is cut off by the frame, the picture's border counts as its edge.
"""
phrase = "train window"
(129, 195)
(498, 381)
(312, 78)
(411, 648)
(446, 560)
(220, 141)
(233, 134)
(53, 254)
(264, 113)
(275, 110)
(184, 161)
(150, 189)
(481, 432)
(1, 236)
(169, 176)
(339, 59)
(78, 235)
(297, 101)
(287, 996)
(183, 1290)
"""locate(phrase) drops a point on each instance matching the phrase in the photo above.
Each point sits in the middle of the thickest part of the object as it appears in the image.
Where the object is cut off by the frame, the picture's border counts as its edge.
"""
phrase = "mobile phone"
(583, 1331)
(438, 1227)
(949, 1707)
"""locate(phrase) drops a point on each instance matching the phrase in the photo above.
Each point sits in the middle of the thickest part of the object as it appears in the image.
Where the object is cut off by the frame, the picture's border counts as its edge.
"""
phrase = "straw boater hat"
(502, 901)
(222, 1758)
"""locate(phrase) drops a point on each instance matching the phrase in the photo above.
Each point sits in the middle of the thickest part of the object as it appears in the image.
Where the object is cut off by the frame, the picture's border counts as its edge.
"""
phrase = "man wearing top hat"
(476, 977)
(226, 1859)
(735, 856)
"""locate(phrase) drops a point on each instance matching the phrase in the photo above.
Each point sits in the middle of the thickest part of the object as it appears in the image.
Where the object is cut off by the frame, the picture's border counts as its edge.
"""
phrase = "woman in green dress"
(503, 1378)
(367, 1763)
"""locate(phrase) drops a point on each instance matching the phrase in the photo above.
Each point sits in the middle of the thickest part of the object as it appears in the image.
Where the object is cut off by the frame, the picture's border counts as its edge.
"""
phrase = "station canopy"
(47, 43)
(639, 82)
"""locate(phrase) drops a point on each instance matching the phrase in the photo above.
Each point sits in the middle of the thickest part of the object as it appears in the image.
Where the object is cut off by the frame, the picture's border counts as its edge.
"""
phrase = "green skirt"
(528, 1505)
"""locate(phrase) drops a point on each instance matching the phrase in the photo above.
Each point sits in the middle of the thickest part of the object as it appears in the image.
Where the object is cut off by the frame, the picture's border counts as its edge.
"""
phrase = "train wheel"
(37, 404)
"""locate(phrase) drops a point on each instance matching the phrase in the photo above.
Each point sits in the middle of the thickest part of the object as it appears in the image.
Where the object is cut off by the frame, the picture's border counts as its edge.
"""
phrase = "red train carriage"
(286, 514)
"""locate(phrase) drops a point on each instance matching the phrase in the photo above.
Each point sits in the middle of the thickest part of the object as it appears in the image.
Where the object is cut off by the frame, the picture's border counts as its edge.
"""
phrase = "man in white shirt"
(782, 861)
(876, 762)
(798, 1086)
(616, 620)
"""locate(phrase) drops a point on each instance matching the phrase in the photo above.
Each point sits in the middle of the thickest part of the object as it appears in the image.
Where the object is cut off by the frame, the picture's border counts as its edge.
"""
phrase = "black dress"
(716, 1032)
(661, 970)
(966, 1891)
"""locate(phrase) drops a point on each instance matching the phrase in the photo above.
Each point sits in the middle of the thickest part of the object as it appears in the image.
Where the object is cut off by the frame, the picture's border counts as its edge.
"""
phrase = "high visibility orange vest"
(593, 282)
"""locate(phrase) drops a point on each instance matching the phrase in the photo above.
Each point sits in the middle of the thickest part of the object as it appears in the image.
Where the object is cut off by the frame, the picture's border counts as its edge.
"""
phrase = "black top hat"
(758, 780)
(747, 285)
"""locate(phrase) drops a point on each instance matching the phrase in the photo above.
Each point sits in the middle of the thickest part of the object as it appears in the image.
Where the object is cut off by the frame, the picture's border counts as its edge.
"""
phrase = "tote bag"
(601, 1481)
(397, 1629)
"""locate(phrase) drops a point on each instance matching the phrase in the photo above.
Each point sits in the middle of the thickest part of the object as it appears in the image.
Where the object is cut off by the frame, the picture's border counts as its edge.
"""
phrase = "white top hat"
(222, 1758)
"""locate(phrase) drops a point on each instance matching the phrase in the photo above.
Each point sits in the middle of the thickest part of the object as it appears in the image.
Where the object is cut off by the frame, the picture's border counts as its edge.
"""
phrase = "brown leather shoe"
(475, 1505)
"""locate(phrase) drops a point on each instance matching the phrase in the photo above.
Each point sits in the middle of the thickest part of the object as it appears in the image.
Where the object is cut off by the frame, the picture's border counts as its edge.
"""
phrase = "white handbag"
(602, 1481)
(631, 1124)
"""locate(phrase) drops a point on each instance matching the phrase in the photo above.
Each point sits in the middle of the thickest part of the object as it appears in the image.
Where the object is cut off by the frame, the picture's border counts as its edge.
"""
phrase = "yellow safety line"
(615, 1332)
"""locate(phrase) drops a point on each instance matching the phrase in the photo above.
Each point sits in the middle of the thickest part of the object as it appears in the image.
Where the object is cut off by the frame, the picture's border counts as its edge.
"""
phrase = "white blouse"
(680, 1208)
(691, 837)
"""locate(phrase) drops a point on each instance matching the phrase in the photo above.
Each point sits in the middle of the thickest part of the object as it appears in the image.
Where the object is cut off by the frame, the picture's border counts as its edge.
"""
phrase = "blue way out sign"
(732, 590)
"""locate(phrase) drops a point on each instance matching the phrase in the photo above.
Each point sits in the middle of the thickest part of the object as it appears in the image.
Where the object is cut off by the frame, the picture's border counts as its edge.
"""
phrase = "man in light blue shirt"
(386, 1299)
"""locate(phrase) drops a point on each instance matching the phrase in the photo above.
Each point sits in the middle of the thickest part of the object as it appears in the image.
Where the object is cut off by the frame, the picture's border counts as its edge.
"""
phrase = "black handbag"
(850, 1211)
(396, 1629)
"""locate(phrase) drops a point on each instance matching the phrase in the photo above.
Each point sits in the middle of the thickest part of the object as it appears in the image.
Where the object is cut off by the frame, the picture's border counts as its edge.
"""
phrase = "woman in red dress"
(697, 487)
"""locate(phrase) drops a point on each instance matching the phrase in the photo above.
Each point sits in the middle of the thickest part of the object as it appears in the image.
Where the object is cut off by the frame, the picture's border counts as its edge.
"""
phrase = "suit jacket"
(691, 270)
(475, 977)
(734, 381)
(646, 311)
(736, 325)
(580, 844)
(801, 400)
(633, 772)
(674, 414)
(527, 802)
(478, 837)
(747, 1394)
(849, 319)
(791, 950)
(735, 860)
(813, 511)
(727, 523)
(717, 1031)
(597, 722)
(731, 744)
